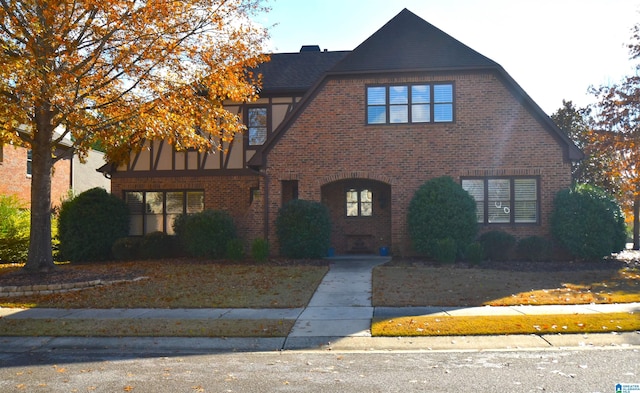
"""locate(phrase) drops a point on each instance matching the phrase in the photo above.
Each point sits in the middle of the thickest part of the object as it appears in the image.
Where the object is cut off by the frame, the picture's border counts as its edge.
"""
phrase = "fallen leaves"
(187, 284)
(420, 285)
(146, 328)
(504, 324)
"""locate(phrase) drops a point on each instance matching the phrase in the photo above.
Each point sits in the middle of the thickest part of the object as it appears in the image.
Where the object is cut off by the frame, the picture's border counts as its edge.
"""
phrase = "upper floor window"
(359, 203)
(504, 200)
(257, 125)
(419, 103)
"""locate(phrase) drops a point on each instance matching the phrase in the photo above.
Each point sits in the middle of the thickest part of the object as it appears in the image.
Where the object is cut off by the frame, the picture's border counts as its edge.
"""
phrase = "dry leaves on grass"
(146, 327)
(185, 284)
(505, 324)
(454, 286)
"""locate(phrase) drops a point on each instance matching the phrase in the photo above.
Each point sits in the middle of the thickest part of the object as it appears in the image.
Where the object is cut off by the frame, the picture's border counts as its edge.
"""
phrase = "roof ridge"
(409, 42)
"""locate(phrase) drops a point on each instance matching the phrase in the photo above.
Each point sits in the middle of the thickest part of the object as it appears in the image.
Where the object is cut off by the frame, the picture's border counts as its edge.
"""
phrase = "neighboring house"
(68, 174)
(360, 131)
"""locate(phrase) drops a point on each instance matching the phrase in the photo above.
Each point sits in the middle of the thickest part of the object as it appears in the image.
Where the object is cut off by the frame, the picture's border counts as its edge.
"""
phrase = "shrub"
(497, 245)
(475, 253)
(205, 234)
(304, 229)
(534, 248)
(588, 222)
(260, 249)
(14, 230)
(156, 245)
(441, 209)
(445, 250)
(90, 223)
(126, 248)
(235, 249)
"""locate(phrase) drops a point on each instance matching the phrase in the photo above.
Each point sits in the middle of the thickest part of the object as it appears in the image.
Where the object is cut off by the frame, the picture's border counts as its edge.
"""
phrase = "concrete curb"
(193, 345)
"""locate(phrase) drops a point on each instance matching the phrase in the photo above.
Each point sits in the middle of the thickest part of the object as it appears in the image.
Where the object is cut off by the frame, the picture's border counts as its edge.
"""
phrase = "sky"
(555, 49)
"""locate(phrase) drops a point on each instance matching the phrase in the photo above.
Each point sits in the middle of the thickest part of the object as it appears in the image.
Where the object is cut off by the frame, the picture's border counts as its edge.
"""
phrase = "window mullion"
(512, 201)
(387, 105)
(432, 113)
(409, 104)
(486, 200)
(144, 212)
(164, 212)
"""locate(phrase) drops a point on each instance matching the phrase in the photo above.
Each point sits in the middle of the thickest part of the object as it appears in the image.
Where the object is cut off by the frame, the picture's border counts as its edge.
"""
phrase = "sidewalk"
(338, 317)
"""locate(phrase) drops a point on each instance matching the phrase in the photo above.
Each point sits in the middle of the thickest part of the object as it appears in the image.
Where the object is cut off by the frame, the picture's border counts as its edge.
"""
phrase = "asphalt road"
(575, 370)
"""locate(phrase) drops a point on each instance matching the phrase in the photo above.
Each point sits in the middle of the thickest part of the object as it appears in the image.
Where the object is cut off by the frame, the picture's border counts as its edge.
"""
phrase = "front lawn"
(420, 284)
(177, 284)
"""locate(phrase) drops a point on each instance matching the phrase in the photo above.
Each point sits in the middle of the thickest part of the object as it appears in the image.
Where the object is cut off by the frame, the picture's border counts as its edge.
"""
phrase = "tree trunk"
(636, 222)
(40, 252)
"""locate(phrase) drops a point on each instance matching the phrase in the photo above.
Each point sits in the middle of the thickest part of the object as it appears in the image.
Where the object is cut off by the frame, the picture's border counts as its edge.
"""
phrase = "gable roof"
(408, 42)
(296, 72)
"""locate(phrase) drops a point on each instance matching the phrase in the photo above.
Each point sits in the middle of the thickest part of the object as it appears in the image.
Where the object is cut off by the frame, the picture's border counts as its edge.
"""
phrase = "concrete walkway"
(337, 317)
(340, 307)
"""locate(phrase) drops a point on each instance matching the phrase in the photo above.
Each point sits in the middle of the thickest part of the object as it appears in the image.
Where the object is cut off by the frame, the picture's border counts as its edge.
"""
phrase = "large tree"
(594, 168)
(120, 72)
(617, 132)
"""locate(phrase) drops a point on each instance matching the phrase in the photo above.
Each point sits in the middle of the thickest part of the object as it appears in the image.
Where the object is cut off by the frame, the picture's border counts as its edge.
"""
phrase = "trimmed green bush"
(156, 245)
(534, 249)
(441, 209)
(304, 229)
(260, 249)
(475, 253)
(90, 223)
(14, 230)
(445, 250)
(126, 248)
(588, 222)
(205, 234)
(235, 249)
(497, 245)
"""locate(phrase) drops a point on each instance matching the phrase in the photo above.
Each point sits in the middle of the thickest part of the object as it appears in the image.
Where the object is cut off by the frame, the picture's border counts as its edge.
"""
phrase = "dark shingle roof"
(408, 42)
(296, 72)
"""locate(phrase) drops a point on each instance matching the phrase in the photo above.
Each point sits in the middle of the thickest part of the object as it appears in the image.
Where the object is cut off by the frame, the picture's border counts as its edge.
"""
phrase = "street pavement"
(338, 317)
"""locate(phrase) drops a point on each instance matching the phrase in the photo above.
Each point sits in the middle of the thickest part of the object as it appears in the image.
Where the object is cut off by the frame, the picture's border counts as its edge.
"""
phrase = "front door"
(360, 215)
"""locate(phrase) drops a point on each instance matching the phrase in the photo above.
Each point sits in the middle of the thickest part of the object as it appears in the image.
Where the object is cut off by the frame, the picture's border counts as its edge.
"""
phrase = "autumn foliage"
(118, 73)
(616, 135)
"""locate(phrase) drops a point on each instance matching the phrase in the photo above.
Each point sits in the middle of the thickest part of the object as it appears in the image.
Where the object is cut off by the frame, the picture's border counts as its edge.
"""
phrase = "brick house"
(68, 174)
(360, 131)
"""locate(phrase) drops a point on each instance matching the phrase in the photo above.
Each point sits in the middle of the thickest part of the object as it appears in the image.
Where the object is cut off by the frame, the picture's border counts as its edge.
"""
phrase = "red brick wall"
(493, 134)
(15, 181)
(230, 193)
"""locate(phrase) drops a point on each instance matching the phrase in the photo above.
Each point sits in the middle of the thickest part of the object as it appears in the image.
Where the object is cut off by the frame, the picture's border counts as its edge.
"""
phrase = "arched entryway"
(360, 215)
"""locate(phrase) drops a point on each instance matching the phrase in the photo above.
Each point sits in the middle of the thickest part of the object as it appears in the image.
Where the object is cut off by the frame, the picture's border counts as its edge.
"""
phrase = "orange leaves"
(115, 68)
